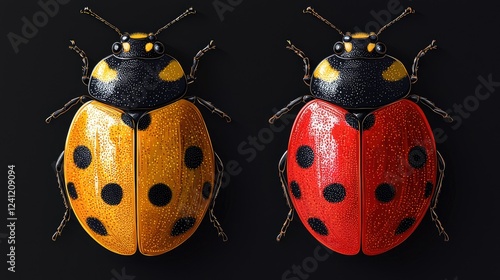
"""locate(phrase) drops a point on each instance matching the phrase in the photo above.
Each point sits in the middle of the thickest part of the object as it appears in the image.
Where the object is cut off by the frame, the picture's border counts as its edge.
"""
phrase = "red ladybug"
(362, 160)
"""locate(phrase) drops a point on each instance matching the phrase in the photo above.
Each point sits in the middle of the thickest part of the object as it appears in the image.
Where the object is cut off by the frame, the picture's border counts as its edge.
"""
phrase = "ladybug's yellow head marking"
(359, 45)
(326, 72)
(143, 36)
(172, 72)
(362, 35)
(126, 47)
(138, 35)
(138, 45)
(104, 73)
(395, 72)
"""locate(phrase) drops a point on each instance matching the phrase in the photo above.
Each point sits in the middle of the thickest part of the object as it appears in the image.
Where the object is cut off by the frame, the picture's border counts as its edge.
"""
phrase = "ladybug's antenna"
(189, 11)
(311, 11)
(407, 11)
(88, 11)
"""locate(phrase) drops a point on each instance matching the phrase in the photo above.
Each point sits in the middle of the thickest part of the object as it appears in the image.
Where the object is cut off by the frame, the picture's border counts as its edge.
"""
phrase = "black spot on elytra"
(352, 120)
(428, 189)
(417, 157)
(205, 191)
(160, 195)
(127, 119)
(305, 156)
(82, 157)
(295, 188)
(368, 122)
(334, 193)
(193, 157)
(385, 192)
(404, 225)
(96, 226)
(112, 194)
(144, 122)
(182, 225)
(318, 226)
(72, 190)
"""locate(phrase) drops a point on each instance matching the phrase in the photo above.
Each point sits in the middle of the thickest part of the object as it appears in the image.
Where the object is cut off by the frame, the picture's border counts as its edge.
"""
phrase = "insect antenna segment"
(189, 11)
(311, 11)
(407, 11)
(88, 11)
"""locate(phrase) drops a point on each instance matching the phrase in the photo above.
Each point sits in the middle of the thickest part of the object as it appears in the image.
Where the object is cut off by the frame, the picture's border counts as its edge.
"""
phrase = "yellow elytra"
(148, 190)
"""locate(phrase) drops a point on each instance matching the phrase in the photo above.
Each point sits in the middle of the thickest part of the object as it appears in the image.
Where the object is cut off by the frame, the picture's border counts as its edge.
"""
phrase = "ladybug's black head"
(138, 45)
(359, 45)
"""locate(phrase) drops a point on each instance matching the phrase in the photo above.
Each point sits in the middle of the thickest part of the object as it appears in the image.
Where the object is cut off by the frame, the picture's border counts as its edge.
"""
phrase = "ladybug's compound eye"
(159, 49)
(151, 37)
(125, 37)
(373, 37)
(338, 48)
(380, 48)
(117, 48)
(347, 38)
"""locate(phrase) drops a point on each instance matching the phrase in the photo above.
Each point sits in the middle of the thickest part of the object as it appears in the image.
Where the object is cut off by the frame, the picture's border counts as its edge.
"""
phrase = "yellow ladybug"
(138, 168)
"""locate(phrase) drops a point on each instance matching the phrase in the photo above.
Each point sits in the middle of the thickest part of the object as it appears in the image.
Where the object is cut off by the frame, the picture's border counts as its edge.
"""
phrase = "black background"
(248, 75)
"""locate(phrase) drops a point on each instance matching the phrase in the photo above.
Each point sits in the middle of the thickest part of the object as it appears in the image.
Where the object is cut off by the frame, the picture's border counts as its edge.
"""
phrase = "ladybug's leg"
(60, 181)
(85, 60)
(218, 183)
(191, 77)
(415, 98)
(434, 202)
(293, 103)
(305, 59)
(284, 184)
(209, 106)
(421, 53)
(82, 99)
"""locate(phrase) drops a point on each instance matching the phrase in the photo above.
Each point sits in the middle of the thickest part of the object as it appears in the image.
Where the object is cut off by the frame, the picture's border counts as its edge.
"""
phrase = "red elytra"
(365, 190)
(361, 166)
